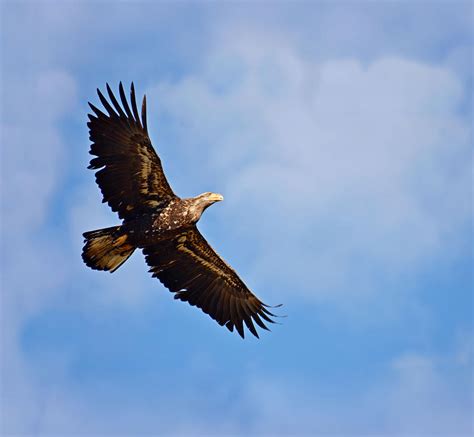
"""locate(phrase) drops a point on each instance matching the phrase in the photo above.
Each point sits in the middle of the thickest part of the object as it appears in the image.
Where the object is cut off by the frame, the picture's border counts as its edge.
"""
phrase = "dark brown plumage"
(132, 181)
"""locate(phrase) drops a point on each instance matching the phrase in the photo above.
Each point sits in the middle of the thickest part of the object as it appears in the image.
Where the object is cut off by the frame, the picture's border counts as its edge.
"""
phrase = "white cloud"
(423, 399)
(35, 266)
(34, 155)
(356, 173)
(417, 397)
(35, 147)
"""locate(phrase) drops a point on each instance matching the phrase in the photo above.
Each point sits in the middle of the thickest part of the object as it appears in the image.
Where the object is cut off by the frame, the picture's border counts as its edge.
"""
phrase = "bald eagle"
(157, 221)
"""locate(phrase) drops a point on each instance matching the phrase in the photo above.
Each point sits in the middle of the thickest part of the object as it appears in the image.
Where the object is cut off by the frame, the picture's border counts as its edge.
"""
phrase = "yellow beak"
(216, 197)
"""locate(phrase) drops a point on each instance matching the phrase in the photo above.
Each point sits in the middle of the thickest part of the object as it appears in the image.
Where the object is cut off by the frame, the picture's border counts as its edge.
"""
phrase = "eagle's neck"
(196, 207)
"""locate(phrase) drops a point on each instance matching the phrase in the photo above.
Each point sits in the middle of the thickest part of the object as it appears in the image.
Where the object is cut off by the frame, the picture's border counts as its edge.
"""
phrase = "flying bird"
(154, 219)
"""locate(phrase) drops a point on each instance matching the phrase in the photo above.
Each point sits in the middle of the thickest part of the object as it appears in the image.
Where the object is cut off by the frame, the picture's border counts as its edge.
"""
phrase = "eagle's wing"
(188, 266)
(131, 177)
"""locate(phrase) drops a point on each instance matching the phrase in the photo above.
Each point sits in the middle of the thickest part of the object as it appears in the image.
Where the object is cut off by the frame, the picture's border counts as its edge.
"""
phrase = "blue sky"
(339, 133)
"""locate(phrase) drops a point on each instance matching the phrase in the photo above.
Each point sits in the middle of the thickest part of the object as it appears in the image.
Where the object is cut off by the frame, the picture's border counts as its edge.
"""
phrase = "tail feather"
(106, 249)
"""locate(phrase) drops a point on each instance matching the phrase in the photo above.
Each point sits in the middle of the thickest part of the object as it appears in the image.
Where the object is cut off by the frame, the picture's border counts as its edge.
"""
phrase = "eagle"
(154, 219)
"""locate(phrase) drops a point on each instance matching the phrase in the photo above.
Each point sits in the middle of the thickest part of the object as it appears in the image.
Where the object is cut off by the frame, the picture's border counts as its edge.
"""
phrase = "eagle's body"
(172, 217)
(157, 221)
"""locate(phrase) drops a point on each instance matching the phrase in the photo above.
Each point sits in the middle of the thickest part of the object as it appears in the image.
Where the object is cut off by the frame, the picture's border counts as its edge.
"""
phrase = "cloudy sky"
(339, 133)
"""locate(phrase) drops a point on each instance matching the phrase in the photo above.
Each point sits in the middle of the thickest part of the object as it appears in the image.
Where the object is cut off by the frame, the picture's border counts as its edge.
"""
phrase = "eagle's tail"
(106, 249)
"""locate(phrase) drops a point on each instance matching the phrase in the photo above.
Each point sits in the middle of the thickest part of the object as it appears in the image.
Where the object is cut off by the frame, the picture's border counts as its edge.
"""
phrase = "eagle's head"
(201, 202)
(210, 198)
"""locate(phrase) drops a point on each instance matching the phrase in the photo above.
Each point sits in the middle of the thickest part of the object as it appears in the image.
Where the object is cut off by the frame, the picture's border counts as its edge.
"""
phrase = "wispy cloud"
(356, 171)
(33, 265)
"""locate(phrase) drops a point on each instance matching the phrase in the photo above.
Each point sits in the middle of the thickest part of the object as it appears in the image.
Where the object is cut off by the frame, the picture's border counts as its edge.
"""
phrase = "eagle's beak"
(214, 197)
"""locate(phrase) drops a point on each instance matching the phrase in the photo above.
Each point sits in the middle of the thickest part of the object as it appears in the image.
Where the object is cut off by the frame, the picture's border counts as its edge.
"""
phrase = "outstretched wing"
(131, 177)
(188, 266)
